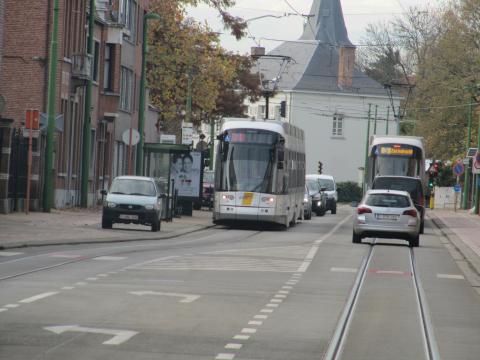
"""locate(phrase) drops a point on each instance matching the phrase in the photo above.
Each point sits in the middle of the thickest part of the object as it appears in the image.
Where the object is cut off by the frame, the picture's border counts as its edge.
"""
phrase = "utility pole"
(212, 142)
(141, 110)
(477, 177)
(388, 116)
(87, 121)
(375, 122)
(365, 172)
(466, 183)
(52, 84)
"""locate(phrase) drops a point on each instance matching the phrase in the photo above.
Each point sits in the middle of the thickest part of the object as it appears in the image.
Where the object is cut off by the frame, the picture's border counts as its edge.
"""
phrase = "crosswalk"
(271, 259)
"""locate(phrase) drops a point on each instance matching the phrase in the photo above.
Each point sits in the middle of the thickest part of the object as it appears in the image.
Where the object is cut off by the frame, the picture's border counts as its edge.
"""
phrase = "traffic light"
(283, 109)
(320, 167)
(431, 180)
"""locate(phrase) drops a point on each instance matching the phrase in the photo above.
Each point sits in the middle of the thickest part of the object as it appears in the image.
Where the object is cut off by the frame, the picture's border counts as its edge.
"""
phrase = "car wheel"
(422, 227)
(415, 241)
(334, 209)
(356, 239)
(106, 224)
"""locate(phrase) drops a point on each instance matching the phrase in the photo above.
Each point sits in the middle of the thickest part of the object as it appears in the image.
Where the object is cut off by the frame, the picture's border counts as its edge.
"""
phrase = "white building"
(326, 95)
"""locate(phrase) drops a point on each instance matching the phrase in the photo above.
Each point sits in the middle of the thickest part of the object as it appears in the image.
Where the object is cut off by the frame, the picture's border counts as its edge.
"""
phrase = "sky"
(358, 14)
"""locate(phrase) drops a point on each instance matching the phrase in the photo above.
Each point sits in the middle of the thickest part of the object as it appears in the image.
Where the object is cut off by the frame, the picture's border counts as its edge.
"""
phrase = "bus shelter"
(178, 171)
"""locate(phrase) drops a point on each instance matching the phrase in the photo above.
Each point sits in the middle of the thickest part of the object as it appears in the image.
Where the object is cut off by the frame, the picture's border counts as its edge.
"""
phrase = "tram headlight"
(228, 197)
(268, 199)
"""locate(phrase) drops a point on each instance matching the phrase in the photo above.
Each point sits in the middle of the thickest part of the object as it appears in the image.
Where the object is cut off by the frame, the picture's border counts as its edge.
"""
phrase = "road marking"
(38, 297)
(241, 337)
(2, 309)
(313, 251)
(233, 346)
(10, 253)
(450, 276)
(390, 272)
(287, 287)
(276, 301)
(272, 305)
(291, 283)
(109, 258)
(266, 311)
(284, 292)
(262, 317)
(102, 275)
(119, 336)
(81, 283)
(68, 288)
(297, 275)
(223, 356)
(91, 279)
(257, 323)
(344, 270)
(12, 306)
(248, 331)
(113, 272)
(187, 298)
(66, 256)
(280, 296)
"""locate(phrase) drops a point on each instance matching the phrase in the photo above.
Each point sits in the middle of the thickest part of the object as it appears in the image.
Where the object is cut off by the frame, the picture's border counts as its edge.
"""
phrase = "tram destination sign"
(395, 150)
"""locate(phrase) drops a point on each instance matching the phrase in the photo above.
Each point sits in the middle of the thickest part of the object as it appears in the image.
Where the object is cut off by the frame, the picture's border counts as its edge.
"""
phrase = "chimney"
(346, 65)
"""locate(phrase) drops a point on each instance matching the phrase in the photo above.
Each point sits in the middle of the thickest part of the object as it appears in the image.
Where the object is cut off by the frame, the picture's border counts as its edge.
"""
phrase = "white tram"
(259, 172)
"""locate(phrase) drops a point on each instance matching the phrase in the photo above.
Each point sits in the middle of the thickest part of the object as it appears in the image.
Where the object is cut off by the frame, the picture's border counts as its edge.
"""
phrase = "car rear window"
(387, 200)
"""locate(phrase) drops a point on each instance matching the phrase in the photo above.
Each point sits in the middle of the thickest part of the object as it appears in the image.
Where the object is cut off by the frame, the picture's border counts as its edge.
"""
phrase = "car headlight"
(111, 205)
(305, 200)
(149, 207)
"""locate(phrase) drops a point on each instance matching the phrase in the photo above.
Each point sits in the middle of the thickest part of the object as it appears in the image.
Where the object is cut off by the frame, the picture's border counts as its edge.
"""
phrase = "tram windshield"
(247, 161)
(397, 160)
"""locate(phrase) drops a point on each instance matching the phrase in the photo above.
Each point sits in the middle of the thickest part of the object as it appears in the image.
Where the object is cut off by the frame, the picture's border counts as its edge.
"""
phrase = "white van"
(328, 182)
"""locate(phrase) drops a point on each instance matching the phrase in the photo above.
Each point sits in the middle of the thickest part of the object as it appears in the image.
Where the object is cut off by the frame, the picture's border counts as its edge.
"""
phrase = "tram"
(396, 156)
(259, 172)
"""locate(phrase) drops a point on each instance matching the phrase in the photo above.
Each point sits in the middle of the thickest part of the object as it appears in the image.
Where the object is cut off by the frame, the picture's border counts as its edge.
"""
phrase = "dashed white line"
(278, 301)
(65, 256)
(291, 282)
(109, 258)
(256, 323)
(450, 276)
(272, 305)
(284, 292)
(11, 306)
(261, 317)
(233, 346)
(248, 331)
(280, 296)
(241, 337)
(266, 310)
(102, 275)
(38, 297)
(81, 283)
(287, 287)
(9, 253)
(68, 288)
(225, 357)
(345, 270)
(92, 279)
(3, 309)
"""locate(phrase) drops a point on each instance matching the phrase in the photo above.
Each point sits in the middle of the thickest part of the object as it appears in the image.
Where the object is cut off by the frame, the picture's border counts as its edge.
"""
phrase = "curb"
(469, 255)
(34, 243)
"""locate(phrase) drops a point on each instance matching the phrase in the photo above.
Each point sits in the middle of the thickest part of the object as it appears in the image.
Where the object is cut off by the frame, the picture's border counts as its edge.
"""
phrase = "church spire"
(327, 24)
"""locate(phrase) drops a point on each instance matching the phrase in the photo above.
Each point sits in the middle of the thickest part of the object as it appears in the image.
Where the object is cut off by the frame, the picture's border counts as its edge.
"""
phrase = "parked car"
(307, 205)
(328, 182)
(206, 197)
(133, 200)
(317, 193)
(387, 214)
(412, 185)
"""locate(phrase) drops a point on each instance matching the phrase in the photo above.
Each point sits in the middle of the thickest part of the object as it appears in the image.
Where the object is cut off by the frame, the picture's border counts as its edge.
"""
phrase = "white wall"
(313, 112)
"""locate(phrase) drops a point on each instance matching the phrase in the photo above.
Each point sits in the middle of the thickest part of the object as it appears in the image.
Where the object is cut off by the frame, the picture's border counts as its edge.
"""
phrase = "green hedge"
(349, 191)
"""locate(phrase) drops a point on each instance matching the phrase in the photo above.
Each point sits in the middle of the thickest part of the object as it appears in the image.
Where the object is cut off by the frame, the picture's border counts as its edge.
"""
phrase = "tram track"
(341, 333)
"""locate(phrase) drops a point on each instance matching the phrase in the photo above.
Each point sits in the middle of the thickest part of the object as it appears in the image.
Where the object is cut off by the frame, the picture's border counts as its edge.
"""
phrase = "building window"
(337, 129)
(261, 112)
(96, 56)
(108, 67)
(126, 89)
(129, 18)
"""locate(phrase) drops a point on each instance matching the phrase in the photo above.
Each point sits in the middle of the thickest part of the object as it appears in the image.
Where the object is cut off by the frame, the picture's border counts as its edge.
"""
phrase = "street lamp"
(268, 88)
(141, 111)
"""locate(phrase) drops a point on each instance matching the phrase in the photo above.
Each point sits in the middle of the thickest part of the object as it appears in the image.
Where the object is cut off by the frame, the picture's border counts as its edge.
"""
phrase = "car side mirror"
(103, 192)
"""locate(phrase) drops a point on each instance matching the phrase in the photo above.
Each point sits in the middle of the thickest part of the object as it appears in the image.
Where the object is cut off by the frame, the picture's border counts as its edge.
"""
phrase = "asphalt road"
(237, 294)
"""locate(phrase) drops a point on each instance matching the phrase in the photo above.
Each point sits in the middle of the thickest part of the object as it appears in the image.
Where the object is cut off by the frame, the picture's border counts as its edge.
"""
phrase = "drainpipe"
(52, 83)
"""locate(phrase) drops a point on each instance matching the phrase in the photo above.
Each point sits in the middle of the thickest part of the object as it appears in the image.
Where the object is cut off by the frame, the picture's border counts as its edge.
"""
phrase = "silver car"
(387, 214)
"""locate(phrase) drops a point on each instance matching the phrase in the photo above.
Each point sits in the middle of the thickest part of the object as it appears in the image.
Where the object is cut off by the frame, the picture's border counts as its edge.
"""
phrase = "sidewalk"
(74, 226)
(463, 230)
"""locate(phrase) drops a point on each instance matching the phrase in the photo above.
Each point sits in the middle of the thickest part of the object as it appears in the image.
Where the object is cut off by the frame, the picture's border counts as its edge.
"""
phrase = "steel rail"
(336, 343)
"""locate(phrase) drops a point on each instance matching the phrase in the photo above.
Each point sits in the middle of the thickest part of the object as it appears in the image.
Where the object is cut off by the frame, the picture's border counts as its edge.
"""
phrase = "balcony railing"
(82, 66)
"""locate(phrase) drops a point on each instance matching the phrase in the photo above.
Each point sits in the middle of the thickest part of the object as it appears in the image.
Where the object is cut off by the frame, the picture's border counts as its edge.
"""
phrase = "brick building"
(115, 67)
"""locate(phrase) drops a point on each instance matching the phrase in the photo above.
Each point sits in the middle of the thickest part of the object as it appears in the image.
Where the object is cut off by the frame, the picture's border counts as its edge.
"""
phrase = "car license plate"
(247, 199)
(128, 217)
(387, 217)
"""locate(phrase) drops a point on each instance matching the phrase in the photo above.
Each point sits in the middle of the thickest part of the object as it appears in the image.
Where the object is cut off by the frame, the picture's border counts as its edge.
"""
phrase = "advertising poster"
(185, 170)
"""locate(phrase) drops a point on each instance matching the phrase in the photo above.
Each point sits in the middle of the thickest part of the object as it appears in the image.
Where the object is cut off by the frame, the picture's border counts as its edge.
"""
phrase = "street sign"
(135, 137)
(471, 152)
(32, 119)
(458, 169)
(466, 161)
(457, 188)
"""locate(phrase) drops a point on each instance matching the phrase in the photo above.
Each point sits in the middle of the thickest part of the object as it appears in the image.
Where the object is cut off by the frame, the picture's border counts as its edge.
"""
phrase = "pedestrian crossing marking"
(10, 253)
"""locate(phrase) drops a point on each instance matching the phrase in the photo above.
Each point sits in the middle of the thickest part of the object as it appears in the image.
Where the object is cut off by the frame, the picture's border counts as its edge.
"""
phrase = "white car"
(387, 214)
